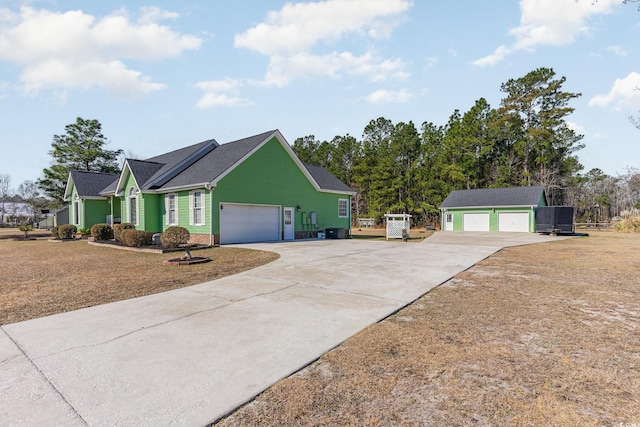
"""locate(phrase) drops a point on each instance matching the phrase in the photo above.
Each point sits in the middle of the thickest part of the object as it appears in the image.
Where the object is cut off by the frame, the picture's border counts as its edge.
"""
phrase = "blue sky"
(161, 75)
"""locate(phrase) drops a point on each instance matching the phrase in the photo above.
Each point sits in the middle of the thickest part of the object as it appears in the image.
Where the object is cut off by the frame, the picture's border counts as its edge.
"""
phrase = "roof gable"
(494, 197)
(89, 184)
(217, 162)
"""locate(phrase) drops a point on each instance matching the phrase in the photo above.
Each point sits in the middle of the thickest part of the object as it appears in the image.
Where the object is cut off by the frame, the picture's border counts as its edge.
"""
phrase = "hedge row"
(127, 234)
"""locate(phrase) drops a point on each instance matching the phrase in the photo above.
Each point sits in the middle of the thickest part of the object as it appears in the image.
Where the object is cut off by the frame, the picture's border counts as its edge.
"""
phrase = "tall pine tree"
(80, 148)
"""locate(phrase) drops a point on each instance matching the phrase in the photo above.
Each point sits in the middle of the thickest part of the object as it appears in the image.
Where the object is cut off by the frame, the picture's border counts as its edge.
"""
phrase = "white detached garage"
(511, 209)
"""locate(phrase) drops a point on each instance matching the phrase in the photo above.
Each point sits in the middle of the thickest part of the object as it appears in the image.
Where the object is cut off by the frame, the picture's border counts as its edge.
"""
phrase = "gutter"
(210, 188)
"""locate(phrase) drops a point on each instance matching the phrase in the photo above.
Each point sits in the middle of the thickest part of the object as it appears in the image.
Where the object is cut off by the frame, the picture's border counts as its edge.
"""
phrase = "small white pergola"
(396, 223)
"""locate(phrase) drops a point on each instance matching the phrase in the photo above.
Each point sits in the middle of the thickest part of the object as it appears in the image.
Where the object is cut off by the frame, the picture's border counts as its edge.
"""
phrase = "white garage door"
(249, 223)
(475, 222)
(514, 221)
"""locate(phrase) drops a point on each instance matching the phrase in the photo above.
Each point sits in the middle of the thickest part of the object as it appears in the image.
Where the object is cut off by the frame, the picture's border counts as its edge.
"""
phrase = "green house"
(87, 206)
(250, 190)
(511, 209)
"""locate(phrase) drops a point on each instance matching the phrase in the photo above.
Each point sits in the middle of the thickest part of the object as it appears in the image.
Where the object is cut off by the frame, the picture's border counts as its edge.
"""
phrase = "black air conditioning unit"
(336, 233)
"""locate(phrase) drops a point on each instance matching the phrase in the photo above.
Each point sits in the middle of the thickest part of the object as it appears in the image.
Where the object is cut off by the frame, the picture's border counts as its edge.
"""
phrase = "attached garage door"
(514, 221)
(249, 223)
(475, 222)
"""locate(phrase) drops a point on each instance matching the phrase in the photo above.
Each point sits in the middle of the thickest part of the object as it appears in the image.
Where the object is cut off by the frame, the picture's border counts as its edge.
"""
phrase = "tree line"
(398, 168)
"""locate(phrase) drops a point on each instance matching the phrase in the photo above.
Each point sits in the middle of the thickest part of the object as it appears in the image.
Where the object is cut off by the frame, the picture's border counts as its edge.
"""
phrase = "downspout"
(350, 213)
(210, 188)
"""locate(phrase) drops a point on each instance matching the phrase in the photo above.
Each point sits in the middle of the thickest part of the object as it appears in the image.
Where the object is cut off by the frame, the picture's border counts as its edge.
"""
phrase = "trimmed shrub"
(174, 236)
(26, 229)
(54, 232)
(67, 231)
(119, 228)
(101, 232)
(135, 238)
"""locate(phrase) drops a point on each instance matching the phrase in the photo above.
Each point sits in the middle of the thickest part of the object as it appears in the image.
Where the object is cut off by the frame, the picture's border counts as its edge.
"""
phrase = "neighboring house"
(14, 213)
(61, 216)
(253, 189)
(492, 209)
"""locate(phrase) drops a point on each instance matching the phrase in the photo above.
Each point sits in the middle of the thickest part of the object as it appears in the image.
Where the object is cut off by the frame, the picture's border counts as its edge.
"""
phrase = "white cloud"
(498, 55)
(549, 22)
(577, 128)
(283, 69)
(75, 50)
(221, 93)
(625, 93)
(289, 36)
(383, 96)
(617, 50)
(298, 27)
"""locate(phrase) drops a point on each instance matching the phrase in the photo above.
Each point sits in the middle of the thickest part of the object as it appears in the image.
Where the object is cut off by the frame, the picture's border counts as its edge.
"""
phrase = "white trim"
(167, 199)
(346, 215)
(76, 211)
(192, 208)
(292, 222)
(121, 178)
(130, 197)
(67, 188)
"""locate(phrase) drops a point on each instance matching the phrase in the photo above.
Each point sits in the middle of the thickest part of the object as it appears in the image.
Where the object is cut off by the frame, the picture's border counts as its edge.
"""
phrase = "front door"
(289, 224)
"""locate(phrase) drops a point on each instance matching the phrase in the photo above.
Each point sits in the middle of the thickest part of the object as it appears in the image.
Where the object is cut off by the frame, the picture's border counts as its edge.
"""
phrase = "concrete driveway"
(189, 356)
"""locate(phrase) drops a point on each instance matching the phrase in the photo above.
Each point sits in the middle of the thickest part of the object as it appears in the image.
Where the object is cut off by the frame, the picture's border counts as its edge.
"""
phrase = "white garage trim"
(242, 223)
(475, 222)
(513, 221)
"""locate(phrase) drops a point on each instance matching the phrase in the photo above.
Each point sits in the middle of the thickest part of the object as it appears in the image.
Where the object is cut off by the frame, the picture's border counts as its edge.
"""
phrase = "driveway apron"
(192, 355)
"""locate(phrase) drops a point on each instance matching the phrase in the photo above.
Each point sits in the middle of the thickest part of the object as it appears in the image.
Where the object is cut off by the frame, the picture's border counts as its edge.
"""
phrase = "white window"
(196, 208)
(171, 205)
(76, 213)
(343, 208)
(133, 206)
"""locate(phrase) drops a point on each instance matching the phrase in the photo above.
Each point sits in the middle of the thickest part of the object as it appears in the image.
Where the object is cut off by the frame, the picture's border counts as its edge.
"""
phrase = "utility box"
(336, 233)
(312, 218)
(555, 219)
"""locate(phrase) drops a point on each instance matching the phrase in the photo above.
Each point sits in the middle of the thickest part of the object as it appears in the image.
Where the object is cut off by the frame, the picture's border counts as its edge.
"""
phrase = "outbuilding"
(511, 209)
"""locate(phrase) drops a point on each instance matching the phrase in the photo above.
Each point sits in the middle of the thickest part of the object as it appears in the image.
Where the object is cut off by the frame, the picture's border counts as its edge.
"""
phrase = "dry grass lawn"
(39, 278)
(540, 335)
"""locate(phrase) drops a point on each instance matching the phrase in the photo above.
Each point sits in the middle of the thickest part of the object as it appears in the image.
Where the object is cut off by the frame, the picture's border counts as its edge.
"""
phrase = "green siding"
(184, 212)
(90, 212)
(117, 209)
(271, 177)
(493, 217)
(95, 212)
(150, 213)
(130, 182)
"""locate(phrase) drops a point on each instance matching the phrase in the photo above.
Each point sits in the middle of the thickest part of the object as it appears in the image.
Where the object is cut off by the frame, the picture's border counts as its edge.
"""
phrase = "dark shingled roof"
(494, 197)
(176, 162)
(197, 164)
(90, 184)
(217, 161)
(326, 180)
(143, 170)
